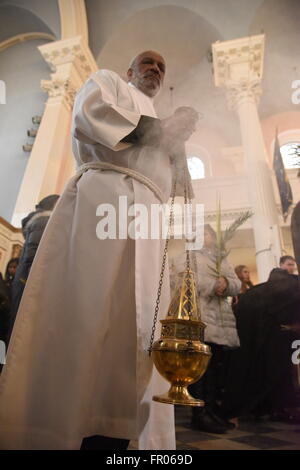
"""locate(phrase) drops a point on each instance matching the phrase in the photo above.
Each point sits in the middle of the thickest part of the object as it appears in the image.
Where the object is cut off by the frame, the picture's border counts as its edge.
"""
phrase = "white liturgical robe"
(78, 364)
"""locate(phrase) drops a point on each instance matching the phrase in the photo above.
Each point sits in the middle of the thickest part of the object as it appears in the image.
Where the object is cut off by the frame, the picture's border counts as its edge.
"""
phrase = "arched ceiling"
(280, 21)
(32, 14)
(15, 20)
(184, 38)
(180, 35)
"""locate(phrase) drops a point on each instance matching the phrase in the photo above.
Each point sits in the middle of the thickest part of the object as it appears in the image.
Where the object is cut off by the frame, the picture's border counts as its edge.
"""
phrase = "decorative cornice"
(10, 227)
(70, 51)
(226, 215)
(238, 60)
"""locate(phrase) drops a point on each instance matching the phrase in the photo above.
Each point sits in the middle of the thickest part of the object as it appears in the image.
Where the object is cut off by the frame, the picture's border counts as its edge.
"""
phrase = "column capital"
(71, 62)
(238, 67)
(245, 90)
(58, 88)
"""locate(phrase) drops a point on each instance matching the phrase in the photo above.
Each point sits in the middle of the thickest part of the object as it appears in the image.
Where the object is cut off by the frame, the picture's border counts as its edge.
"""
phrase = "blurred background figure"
(10, 273)
(4, 312)
(288, 263)
(5, 300)
(243, 274)
(33, 227)
(287, 267)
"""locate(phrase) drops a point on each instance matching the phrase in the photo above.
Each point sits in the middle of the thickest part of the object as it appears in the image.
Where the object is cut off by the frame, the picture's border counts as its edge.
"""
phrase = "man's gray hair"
(133, 60)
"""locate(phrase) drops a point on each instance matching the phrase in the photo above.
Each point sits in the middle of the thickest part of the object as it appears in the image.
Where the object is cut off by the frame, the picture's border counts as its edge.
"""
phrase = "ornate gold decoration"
(179, 355)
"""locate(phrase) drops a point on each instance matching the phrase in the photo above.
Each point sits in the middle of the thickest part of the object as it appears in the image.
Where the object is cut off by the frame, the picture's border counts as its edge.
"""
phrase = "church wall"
(22, 68)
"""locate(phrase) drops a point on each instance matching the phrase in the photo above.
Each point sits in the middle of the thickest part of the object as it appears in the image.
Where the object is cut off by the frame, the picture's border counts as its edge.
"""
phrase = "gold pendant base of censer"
(181, 362)
(178, 395)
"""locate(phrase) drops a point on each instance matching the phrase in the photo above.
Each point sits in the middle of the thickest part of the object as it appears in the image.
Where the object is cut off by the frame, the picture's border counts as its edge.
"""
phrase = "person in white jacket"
(78, 363)
(220, 332)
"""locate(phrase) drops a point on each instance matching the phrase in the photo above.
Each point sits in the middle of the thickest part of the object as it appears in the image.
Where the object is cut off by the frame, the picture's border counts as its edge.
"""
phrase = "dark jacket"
(33, 227)
(258, 367)
(4, 310)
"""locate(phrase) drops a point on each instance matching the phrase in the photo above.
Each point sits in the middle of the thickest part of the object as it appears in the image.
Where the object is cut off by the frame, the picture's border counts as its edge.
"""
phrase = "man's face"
(209, 240)
(147, 73)
(12, 269)
(246, 275)
(289, 265)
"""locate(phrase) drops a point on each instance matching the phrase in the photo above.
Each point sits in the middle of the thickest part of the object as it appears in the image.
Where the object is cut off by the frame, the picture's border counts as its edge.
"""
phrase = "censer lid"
(184, 304)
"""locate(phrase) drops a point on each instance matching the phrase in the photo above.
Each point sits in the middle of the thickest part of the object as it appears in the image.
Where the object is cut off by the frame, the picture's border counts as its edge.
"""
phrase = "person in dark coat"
(295, 229)
(261, 371)
(4, 314)
(33, 227)
(10, 273)
(5, 300)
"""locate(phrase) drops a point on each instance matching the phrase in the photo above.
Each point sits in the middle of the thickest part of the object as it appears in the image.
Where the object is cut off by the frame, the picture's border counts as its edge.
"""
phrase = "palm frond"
(240, 220)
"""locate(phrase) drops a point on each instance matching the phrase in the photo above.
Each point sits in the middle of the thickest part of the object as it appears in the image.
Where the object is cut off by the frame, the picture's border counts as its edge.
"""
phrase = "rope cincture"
(126, 171)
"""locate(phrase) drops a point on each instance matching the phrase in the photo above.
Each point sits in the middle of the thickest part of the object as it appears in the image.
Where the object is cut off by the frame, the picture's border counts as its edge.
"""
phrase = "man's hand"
(220, 286)
(181, 125)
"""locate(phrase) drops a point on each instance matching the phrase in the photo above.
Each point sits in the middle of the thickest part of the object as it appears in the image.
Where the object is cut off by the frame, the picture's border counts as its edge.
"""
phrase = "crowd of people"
(250, 332)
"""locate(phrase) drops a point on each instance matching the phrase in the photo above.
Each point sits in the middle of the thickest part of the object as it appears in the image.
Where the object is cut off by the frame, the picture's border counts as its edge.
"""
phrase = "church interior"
(235, 62)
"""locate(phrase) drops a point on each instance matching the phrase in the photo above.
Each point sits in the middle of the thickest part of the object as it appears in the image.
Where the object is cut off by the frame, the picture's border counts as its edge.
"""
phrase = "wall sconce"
(27, 147)
(36, 119)
(32, 133)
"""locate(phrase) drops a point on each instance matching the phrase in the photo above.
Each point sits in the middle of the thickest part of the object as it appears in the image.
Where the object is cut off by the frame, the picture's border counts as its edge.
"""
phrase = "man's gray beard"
(145, 89)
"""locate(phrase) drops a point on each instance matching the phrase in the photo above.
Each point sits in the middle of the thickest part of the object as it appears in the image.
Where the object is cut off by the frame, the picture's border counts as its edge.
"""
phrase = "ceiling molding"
(19, 38)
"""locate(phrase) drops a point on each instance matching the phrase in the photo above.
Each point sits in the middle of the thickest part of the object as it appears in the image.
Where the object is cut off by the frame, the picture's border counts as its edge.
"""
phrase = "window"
(196, 167)
(290, 157)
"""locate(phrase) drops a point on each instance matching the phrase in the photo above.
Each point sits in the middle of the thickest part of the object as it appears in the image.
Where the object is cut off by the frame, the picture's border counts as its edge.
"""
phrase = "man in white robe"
(77, 364)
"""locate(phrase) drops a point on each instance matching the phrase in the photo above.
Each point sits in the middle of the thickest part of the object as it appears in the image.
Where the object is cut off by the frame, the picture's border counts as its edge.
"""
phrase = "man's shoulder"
(107, 76)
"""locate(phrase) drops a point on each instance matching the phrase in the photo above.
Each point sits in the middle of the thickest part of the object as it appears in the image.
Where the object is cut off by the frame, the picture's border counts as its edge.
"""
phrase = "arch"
(196, 167)
(289, 154)
(73, 19)
(280, 22)
(195, 150)
(181, 35)
(25, 37)
(288, 125)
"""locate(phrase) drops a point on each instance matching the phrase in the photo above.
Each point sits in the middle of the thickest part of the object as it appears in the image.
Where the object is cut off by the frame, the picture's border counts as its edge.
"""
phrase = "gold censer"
(179, 355)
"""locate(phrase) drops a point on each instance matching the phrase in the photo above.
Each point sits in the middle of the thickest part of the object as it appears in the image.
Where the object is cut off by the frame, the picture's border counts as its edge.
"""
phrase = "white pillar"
(238, 68)
(51, 162)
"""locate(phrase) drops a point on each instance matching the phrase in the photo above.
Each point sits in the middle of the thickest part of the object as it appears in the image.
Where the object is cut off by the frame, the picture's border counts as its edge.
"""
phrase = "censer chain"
(188, 202)
(171, 220)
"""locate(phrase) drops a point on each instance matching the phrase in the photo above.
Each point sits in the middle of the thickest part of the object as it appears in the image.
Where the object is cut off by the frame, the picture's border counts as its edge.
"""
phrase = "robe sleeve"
(97, 118)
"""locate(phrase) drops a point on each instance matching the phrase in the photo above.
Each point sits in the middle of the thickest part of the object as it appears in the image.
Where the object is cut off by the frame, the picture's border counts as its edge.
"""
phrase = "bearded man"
(78, 365)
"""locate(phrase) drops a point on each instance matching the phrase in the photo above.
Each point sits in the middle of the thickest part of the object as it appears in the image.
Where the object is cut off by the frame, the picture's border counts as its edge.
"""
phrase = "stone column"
(51, 164)
(238, 68)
